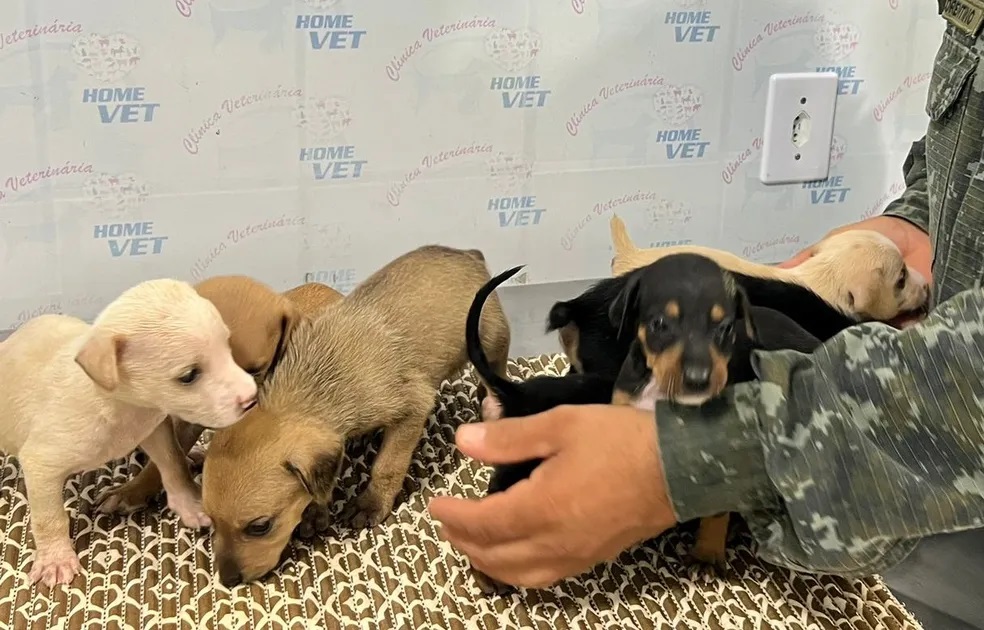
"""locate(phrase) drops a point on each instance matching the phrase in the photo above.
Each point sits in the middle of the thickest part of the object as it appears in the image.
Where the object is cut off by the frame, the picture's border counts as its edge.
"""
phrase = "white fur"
(58, 421)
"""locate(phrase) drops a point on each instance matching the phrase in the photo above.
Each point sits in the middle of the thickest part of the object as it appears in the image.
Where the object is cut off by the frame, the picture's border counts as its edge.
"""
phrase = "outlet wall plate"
(799, 125)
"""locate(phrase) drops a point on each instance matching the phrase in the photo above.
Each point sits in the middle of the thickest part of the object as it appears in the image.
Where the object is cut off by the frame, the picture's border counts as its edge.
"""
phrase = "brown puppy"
(373, 361)
(259, 321)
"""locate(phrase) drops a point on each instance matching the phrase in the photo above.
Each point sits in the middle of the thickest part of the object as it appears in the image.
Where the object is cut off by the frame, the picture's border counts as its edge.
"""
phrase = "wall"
(203, 137)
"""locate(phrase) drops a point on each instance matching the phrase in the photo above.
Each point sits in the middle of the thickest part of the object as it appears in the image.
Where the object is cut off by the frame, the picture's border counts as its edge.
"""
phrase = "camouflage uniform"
(841, 461)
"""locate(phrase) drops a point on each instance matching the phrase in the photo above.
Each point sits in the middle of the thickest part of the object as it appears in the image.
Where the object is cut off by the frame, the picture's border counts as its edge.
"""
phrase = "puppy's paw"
(371, 510)
(711, 560)
(491, 409)
(189, 510)
(55, 564)
(126, 499)
(315, 520)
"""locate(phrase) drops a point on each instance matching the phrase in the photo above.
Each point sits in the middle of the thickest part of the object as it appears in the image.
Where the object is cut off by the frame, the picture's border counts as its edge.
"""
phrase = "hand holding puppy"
(599, 490)
(913, 243)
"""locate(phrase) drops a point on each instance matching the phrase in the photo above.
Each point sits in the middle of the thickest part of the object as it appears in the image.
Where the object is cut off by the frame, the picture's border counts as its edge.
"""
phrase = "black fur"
(602, 349)
(525, 398)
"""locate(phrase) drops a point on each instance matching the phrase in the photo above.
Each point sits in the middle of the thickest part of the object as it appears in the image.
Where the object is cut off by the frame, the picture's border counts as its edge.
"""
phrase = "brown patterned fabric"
(147, 572)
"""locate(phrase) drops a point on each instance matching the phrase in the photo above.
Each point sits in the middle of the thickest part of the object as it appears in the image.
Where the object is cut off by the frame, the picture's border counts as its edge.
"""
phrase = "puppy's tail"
(620, 237)
(503, 388)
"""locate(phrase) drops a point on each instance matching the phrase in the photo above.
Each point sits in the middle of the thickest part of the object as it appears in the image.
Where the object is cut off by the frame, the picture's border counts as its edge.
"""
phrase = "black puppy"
(515, 399)
(593, 343)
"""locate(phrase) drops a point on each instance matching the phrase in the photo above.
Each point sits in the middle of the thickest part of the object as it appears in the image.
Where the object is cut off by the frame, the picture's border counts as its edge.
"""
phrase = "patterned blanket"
(147, 572)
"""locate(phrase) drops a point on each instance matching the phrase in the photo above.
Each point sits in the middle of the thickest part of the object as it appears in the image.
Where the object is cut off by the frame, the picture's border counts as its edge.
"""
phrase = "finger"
(797, 259)
(523, 564)
(513, 440)
(501, 517)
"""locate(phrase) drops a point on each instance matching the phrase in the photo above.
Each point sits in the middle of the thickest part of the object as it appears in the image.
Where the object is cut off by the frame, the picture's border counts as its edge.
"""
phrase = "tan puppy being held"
(259, 320)
(75, 396)
(861, 272)
(373, 361)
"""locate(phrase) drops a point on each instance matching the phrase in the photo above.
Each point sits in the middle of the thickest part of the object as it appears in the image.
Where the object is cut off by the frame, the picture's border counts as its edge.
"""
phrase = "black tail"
(503, 388)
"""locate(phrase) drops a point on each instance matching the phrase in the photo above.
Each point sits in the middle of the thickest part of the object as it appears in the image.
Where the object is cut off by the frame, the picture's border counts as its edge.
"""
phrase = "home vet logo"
(693, 24)
(130, 239)
(677, 105)
(342, 280)
(325, 119)
(109, 58)
(832, 190)
(510, 173)
(114, 195)
(835, 42)
(329, 32)
(512, 51)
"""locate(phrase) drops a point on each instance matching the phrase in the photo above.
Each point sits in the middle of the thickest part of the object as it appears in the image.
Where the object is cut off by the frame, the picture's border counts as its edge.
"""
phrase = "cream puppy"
(74, 396)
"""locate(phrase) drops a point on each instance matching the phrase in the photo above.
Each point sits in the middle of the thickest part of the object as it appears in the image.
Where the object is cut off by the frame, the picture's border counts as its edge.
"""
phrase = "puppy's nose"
(230, 576)
(696, 378)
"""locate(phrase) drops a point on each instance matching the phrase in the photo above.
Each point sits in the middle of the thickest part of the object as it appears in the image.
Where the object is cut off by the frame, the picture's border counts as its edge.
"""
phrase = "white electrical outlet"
(799, 125)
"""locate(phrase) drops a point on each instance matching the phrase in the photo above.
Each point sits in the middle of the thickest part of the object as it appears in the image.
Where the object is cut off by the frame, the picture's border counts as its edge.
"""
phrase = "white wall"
(197, 165)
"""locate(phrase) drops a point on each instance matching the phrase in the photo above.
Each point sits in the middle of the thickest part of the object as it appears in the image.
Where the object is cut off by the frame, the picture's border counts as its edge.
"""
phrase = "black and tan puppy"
(684, 312)
(594, 343)
(373, 361)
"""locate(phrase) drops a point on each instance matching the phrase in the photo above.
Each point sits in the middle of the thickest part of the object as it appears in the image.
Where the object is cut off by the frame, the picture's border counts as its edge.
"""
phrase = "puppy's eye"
(190, 376)
(657, 325)
(259, 527)
(900, 283)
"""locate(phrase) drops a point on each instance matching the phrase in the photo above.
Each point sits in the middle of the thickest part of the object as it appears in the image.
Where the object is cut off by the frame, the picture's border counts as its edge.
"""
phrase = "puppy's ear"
(290, 316)
(100, 357)
(316, 467)
(625, 307)
(743, 310)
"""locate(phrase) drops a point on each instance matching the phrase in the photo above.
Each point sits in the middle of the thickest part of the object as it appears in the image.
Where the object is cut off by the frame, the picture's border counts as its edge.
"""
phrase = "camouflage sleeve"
(840, 460)
(913, 204)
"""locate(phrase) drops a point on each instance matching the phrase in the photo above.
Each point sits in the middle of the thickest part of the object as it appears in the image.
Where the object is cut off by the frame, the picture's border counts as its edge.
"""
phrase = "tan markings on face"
(719, 372)
(672, 309)
(717, 313)
(569, 340)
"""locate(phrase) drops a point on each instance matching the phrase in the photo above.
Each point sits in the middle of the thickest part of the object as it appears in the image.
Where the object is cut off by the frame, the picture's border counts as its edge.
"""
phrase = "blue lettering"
(686, 150)
(695, 34)
(116, 230)
(531, 82)
(339, 169)
(687, 17)
(324, 21)
(830, 195)
(128, 113)
(346, 152)
(521, 217)
(510, 203)
(113, 95)
(136, 246)
(837, 181)
(678, 135)
(537, 98)
(336, 39)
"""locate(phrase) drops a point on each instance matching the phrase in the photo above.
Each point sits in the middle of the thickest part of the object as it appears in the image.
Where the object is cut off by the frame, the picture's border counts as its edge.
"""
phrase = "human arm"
(913, 204)
(841, 460)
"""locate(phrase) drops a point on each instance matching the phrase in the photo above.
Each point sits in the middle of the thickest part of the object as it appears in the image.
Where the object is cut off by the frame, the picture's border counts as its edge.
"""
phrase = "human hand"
(599, 490)
(912, 242)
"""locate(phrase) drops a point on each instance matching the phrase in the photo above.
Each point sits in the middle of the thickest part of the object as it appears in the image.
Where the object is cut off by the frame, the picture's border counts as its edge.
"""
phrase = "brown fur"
(258, 319)
(712, 538)
(855, 271)
(373, 361)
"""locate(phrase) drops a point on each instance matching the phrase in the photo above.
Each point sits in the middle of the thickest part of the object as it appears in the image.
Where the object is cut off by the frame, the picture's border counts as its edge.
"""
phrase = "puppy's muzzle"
(696, 379)
(246, 404)
(229, 574)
